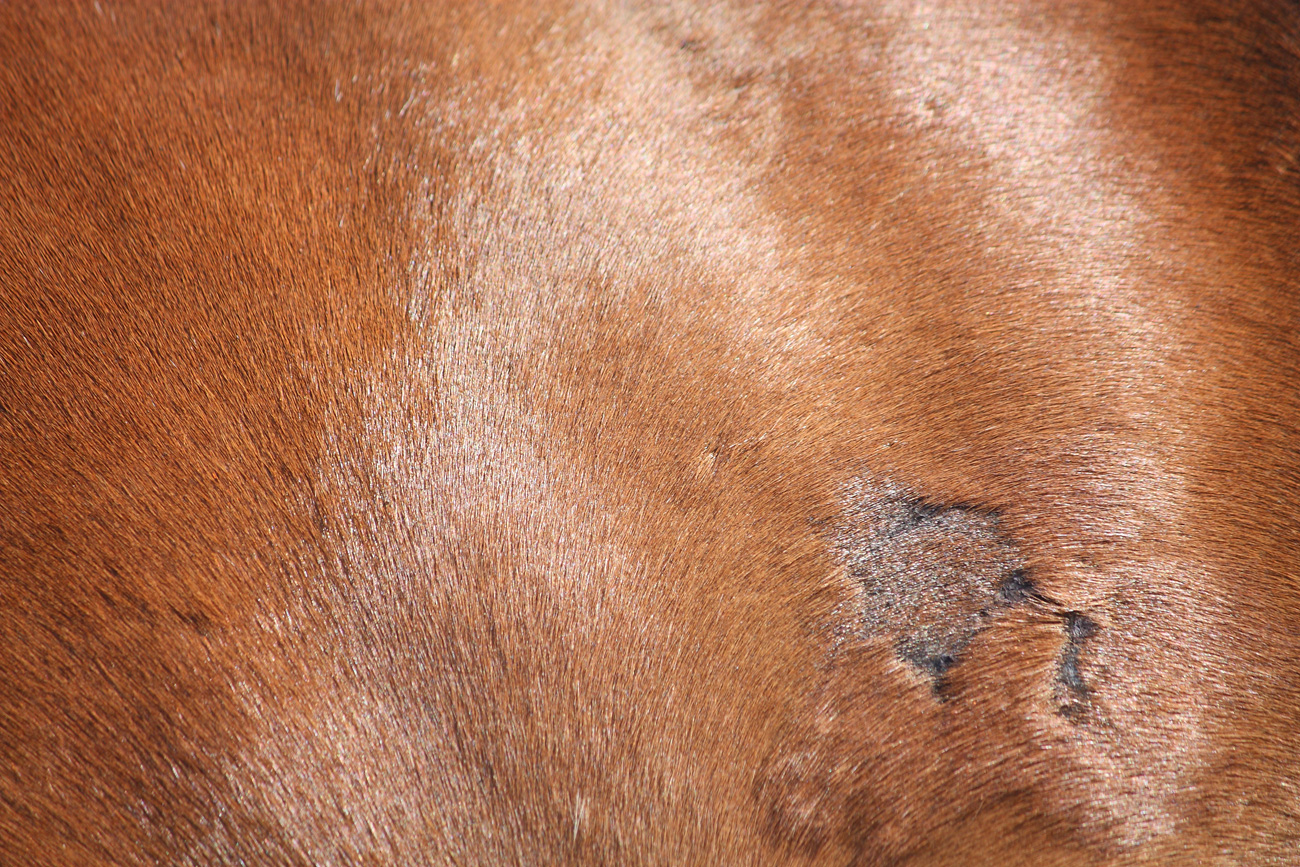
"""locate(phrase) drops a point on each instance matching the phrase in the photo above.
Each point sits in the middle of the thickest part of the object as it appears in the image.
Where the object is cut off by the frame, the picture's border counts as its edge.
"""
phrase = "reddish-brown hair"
(649, 433)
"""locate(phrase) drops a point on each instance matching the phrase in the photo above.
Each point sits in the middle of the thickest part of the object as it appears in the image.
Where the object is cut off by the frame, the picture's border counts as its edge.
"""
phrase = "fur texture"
(649, 433)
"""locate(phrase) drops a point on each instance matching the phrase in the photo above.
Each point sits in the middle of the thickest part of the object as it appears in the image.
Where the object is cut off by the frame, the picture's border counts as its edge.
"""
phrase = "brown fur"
(645, 433)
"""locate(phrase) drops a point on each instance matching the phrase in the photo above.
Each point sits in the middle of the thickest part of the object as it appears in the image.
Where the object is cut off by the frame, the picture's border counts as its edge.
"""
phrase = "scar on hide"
(934, 575)
(1071, 691)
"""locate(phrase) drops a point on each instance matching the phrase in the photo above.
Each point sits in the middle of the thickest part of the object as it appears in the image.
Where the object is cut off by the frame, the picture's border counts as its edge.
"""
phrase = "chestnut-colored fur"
(608, 432)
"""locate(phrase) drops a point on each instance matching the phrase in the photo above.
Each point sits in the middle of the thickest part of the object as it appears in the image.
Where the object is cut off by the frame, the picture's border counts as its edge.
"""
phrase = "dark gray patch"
(1017, 589)
(933, 575)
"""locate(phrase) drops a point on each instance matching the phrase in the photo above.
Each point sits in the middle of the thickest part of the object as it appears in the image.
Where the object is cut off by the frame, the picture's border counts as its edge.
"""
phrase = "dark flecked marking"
(930, 574)
(934, 575)
(1017, 589)
(1071, 690)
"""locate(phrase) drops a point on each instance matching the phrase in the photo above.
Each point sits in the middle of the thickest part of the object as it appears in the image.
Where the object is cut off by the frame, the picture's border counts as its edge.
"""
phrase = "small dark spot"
(196, 620)
(318, 514)
(145, 612)
(1079, 626)
(937, 665)
(1017, 589)
(56, 533)
(694, 46)
(290, 478)
(933, 664)
(743, 80)
(909, 514)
